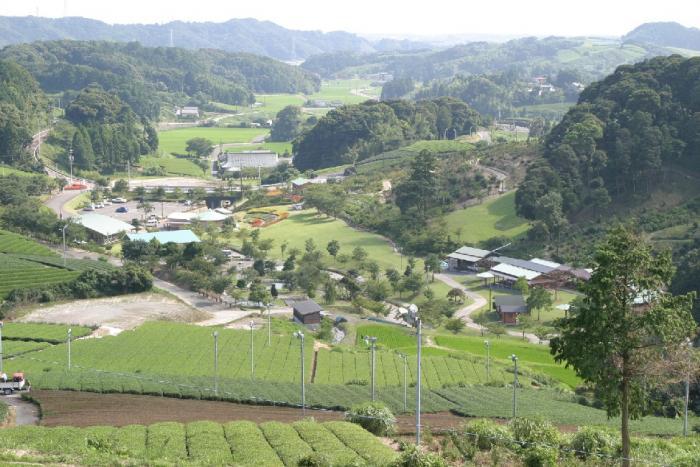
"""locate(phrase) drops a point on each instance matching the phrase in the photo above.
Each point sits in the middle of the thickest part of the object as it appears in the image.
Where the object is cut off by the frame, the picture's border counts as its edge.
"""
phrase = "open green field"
(493, 218)
(174, 165)
(175, 141)
(342, 90)
(240, 443)
(279, 148)
(440, 145)
(7, 170)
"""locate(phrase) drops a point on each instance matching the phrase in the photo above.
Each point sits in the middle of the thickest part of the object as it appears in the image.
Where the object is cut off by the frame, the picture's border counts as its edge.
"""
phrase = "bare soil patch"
(80, 409)
(122, 312)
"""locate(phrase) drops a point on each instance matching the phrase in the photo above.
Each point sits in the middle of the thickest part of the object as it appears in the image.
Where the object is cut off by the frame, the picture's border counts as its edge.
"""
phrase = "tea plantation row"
(240, 443)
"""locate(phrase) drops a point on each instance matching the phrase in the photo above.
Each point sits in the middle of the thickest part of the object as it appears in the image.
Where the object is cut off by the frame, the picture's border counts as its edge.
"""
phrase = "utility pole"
(70, 338)
(63, 231)
(300, 335)
(252, 360)
(515, 383)
(418, 376)
(687, 392)
(269, 327)
(369, 340)
(70, 161)
(215, 334)
(1, 367)
(404, 357)
(488, 361)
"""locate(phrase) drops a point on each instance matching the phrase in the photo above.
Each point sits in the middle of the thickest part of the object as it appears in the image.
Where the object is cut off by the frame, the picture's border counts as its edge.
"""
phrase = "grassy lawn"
(493, 218)
(7, 170)
(279, 148)
(341, 90)
(444, 145)
(77, 203)
(174, 165)
(174, 141)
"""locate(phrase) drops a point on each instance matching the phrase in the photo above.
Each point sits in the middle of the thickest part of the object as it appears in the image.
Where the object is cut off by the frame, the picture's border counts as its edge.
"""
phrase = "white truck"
(17, 383)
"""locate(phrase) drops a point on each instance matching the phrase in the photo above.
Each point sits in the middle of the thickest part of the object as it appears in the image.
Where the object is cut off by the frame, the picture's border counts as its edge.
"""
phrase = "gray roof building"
(235, 161)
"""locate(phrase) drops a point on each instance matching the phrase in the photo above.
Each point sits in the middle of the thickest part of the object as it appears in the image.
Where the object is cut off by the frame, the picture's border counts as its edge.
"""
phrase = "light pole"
(488, 360)
(252, 359)
(300, 335)
(418, 344)
(1, 325)
(515, 382)
(404, 357)
(63, 231)
(369, 340)
(215, 334)
(269, 327)
(70, 336)
(70, 161)
(687, 391)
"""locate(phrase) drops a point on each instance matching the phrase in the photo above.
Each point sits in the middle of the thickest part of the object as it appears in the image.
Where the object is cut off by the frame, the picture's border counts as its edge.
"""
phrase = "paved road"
(56, 203)
(479, 302)
(26, 413)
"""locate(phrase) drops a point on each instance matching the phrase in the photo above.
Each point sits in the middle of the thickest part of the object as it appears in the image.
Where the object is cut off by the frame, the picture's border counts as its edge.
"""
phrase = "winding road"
(479, 302)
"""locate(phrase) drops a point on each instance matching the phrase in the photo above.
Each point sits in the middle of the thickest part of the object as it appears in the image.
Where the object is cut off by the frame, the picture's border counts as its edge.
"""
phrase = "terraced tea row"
(240, 443)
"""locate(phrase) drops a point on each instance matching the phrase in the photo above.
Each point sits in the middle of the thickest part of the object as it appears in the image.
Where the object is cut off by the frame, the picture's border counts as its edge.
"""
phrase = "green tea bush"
(540, 456)
(528, 431)
(374, 417)
(485, 434)
(595, 441)
(412, 456)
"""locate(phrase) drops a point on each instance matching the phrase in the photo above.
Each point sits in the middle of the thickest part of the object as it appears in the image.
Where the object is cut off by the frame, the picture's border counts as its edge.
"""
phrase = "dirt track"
(89, 409)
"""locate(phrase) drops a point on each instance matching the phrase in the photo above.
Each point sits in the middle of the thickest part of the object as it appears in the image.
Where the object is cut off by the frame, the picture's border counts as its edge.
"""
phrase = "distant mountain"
(236, 35)
(665, 35)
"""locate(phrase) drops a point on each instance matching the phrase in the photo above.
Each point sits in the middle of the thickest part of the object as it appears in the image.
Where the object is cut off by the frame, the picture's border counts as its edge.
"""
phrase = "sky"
(387, 17)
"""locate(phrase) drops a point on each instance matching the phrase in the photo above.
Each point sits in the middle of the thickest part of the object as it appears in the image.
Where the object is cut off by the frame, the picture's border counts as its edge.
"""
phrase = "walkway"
(26, 413)
(479, 302)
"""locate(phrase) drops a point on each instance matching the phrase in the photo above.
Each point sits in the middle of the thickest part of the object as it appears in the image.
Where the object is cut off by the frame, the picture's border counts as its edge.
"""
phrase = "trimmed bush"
(374, 417)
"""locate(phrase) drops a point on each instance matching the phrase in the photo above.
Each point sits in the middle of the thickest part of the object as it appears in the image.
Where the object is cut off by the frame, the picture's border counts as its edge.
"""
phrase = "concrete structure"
(509, 307)
(230, 162)
(103, 228)
(467, 258)
(307, 312)
(172, 236)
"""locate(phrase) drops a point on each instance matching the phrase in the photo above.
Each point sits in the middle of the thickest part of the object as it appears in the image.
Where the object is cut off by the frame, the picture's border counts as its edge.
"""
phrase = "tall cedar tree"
(620, 331)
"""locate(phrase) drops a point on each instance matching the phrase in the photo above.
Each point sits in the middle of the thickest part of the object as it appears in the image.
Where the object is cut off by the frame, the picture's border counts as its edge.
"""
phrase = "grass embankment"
(493, 218)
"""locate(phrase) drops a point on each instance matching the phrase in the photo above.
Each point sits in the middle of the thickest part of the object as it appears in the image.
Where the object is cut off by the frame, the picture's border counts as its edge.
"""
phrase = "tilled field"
(81, 409)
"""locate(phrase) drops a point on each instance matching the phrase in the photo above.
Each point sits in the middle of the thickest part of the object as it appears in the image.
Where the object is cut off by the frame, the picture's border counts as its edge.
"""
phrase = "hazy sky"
(389, 17)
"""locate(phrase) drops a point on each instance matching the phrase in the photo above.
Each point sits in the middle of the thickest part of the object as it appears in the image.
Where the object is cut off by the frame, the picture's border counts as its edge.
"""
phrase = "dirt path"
(479, 302)
(26, 413)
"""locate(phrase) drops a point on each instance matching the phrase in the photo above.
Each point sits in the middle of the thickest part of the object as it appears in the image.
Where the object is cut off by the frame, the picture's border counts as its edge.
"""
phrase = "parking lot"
(162, 210)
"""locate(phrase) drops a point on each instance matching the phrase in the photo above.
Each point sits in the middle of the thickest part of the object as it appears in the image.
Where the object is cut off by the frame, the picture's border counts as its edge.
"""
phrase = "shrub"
(533, 431)
(594, 441)
(413, 456)
(314, 460)
(374, 417)
(485, 434)
(540, 456)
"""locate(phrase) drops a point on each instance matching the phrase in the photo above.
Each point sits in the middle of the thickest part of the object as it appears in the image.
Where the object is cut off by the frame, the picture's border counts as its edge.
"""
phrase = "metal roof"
(523, 264)
(211, 216)
(461, 257)
(471, 251)
(511, 303)
(306, 307)
(103, 225)
(507, 270)
(545, 262)
(166, 236)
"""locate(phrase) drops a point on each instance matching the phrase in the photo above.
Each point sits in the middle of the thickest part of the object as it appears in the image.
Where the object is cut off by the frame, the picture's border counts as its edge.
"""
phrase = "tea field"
(240, 443)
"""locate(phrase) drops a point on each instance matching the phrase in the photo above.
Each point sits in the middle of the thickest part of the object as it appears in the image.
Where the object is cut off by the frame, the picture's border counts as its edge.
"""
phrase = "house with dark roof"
(509, 307)
(467, 258)
(307, 312)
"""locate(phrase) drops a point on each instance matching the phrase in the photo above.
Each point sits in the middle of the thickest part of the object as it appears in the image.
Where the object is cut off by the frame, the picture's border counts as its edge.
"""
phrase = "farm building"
(187, 112)
(298, 184)
(178, 220)
(180, 237)
(102, 228)
(230, 162)
(307, 312)
(467, 258)
(507, 274)
(509, 307)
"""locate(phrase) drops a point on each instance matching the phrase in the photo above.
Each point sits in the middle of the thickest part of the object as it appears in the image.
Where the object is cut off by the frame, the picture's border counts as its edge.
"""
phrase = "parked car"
(152, 223)
(119, 200)
(122, 209)
(188, 202)
(89, 207)
(99, 205)
(106, 202)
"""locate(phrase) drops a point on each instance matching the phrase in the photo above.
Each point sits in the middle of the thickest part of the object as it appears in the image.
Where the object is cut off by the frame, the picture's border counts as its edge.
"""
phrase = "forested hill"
(621, 137)
(144, 77)
(236, 35)
(23, 109)
(593, 58)
(355, 132)
(668, 34)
